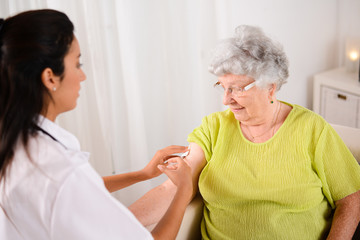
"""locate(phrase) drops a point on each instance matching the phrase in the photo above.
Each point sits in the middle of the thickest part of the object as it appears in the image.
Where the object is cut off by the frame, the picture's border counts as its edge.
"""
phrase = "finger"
(172, 167)
(174, 149)
(177, 147)
(168, 164)
(161, 168)
(169, 157)
(182, 155)
(171, 161)
(165, 153)
(167, 169)
(169, 151)
(178, 162)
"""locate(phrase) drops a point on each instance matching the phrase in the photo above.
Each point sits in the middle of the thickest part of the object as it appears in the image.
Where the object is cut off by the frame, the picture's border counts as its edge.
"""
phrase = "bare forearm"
(346, 219)
(150, 208)
(169, 225)
(120, 181)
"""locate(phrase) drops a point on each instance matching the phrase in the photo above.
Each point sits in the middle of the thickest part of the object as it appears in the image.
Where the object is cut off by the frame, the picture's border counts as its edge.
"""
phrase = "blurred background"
(146, 62)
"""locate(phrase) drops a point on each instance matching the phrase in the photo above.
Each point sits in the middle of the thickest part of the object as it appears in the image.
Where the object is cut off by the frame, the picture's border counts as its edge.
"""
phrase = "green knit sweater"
(284, 188)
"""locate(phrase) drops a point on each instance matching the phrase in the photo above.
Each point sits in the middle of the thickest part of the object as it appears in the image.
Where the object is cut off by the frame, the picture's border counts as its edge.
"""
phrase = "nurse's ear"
(49, 80)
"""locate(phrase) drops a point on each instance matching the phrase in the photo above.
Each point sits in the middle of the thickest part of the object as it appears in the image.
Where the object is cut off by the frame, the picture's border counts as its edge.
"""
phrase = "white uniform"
(52, 192)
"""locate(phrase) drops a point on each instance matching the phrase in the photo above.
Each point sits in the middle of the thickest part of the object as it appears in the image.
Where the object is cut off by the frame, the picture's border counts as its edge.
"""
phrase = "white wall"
(348, 25)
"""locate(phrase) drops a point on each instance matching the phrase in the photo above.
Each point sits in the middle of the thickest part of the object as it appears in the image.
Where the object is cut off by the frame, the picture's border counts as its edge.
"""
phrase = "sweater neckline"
(280, 129)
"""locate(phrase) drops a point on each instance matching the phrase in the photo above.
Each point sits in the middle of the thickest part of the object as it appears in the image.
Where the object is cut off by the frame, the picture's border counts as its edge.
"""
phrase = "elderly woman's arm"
(346, 217)
(151, 207)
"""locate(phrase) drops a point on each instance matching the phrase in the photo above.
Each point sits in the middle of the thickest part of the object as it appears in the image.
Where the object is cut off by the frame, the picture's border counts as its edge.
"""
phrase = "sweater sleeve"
(336, 166)
(202, 136)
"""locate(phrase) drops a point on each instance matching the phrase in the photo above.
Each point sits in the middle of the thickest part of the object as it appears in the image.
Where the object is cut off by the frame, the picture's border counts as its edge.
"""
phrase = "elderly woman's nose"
(227, 97)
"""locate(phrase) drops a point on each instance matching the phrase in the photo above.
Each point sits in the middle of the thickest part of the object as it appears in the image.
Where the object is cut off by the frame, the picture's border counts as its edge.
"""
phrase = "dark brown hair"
(29, 43)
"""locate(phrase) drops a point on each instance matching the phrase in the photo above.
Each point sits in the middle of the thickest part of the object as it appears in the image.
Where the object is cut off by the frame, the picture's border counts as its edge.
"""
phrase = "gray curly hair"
(250, 52)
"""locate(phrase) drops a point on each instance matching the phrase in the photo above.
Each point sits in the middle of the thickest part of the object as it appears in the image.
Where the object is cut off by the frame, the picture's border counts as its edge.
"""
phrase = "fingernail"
(172, 163)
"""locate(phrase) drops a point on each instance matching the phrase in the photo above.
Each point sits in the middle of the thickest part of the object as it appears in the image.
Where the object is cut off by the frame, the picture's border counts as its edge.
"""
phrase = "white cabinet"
(339, 107)
(337, 97)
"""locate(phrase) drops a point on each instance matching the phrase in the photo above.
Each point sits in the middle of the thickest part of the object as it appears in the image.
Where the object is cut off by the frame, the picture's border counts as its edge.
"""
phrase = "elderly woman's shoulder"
(226, 114)
(303, 110)
(216, 119)
(307, 116)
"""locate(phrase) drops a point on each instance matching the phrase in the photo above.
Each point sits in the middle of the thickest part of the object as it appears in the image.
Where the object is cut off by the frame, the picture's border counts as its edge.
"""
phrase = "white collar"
(65, 138)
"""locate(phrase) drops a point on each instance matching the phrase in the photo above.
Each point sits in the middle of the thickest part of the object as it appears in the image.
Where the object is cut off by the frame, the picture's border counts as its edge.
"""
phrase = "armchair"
(190, 227)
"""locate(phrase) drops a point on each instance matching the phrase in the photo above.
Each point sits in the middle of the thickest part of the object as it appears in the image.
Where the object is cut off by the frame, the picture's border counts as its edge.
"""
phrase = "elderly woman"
(266, 169)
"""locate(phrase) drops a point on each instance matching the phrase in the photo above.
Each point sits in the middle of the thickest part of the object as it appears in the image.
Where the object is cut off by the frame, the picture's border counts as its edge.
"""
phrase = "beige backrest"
(351, 137)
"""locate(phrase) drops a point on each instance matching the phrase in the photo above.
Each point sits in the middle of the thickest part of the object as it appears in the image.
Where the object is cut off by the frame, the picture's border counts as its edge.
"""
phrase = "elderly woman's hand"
(151, 170)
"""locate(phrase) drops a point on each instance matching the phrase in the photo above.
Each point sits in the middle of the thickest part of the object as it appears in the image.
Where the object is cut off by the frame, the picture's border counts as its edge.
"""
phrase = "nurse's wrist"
(185, 192)
(142, 175)
(149, 172)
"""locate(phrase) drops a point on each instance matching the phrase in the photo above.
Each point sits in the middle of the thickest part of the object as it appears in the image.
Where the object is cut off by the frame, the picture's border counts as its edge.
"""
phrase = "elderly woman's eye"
(219, 87)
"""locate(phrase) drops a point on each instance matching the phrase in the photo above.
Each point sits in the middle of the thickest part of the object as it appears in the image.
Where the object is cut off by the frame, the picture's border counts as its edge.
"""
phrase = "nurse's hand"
(151, 170)
(179, 172)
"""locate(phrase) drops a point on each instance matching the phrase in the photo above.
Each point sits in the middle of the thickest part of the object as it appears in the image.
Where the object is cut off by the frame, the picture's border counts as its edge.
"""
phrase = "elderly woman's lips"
(236, 109)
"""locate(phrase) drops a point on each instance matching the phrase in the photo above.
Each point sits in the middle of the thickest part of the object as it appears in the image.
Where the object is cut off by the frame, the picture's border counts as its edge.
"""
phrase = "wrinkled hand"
(151, 170)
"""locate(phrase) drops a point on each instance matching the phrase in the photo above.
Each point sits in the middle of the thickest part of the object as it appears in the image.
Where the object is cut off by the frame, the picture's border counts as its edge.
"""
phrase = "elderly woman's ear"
(272, 90)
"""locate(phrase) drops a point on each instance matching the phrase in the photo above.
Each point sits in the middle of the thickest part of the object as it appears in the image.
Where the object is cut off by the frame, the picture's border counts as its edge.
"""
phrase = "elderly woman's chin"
(239, 113)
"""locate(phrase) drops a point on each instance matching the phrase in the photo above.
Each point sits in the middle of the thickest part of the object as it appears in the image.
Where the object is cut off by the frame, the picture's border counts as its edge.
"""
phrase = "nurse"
(48, 190)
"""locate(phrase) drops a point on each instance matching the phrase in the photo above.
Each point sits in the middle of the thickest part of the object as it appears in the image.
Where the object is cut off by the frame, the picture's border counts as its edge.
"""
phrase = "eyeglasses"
(235, 91)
